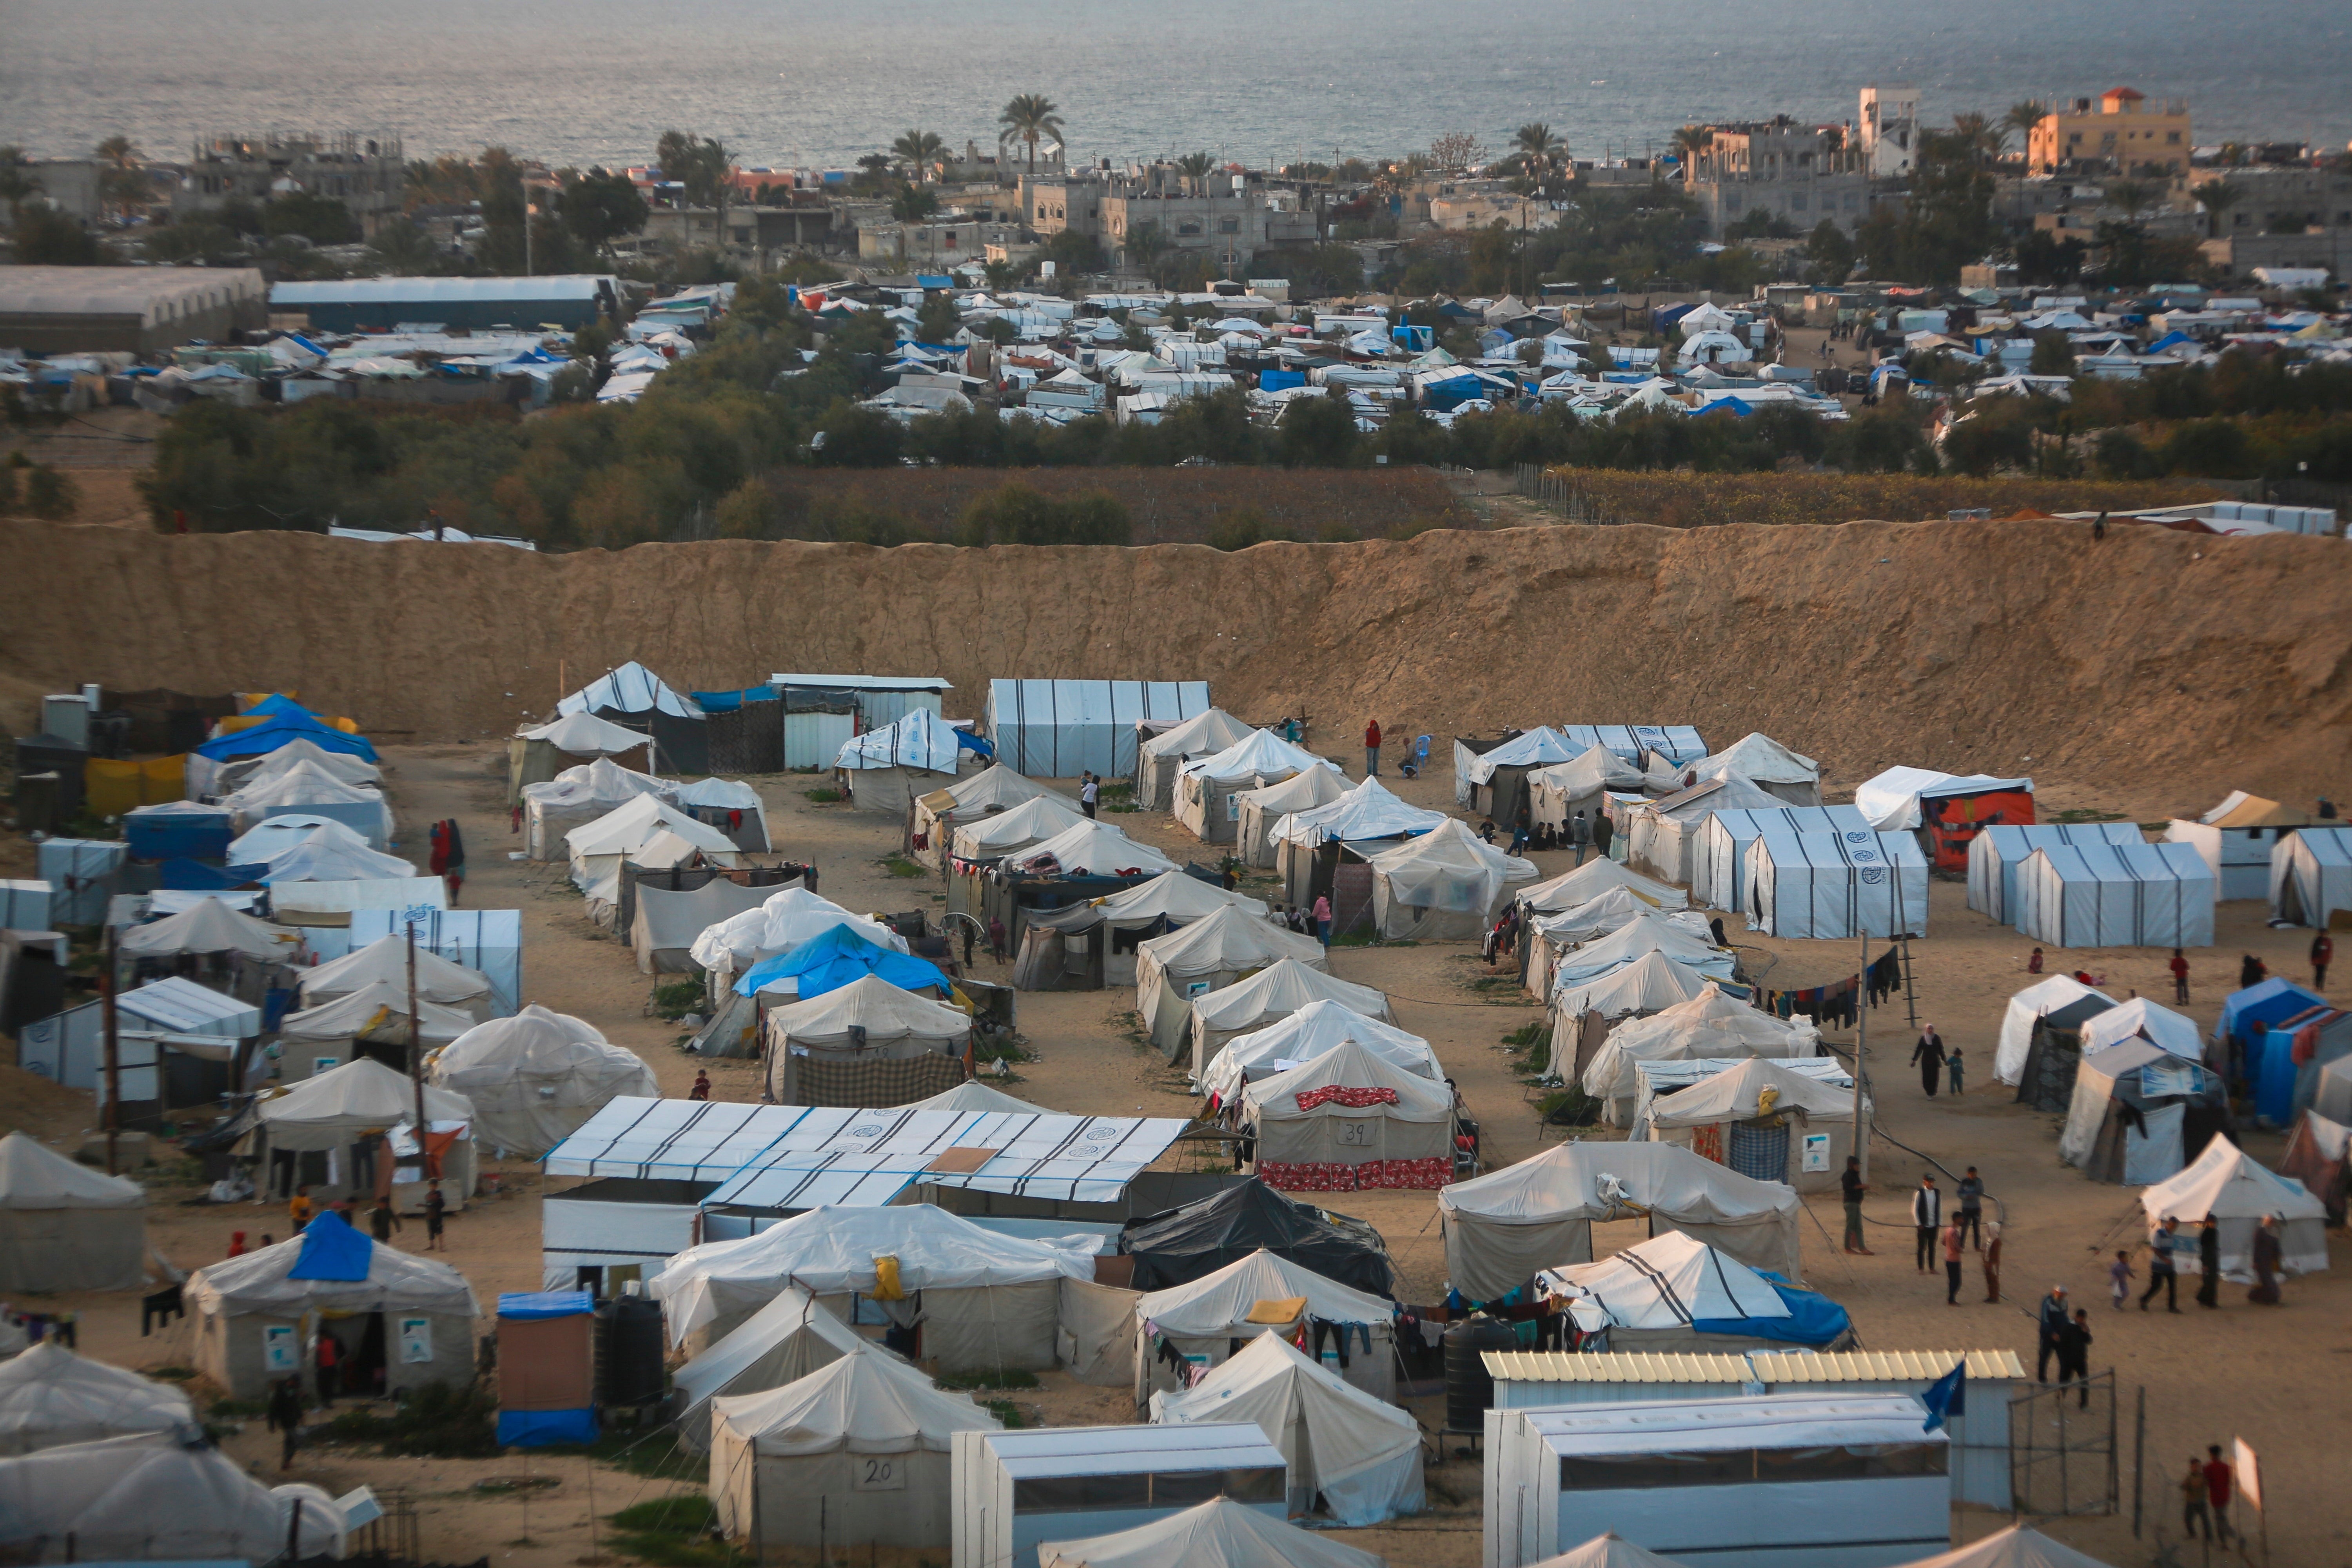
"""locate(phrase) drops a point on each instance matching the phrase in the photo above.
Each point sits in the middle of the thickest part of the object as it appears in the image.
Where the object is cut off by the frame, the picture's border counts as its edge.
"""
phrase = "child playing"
(1952, 1068)
(2119, 1275)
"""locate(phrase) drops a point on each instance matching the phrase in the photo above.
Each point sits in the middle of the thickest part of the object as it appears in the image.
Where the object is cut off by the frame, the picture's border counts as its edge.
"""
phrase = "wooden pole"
(417, 1065)
(114, 1053)
(1861, 1036)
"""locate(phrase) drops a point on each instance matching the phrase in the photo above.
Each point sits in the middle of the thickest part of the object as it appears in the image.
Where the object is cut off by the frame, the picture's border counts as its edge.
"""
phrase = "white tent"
(854, 1452)
(667, 922)
(2115, 895)
(1719, 858)
(2229, 1184)
(1445, 885)
(2139, 1018)
(583, 734)
(331, 1111)
(1643, 935)
(811, 1043)
(782, 1342)
(1009, 832)
(1092, 848)
(992, 791)
(1193, 960)
(1202, 1319)
(308, 787)
(2127, 1122)
(2019, 1546)
(1827, 886)
(1208, 789)
(1559, 792)
(1652, 1292)
(64, 1226)
(1350, 1118)
(49, 1396)
(1762, 1120)
(578, 796)
(713, 800)
(1710, 1026)
(780, 925)
(1173, 898)
(1360, 1454)
(1268, 997)
(1891, 800)
(154, 1495)
(343, 765)
(974, 1095)
(1501, 1229)
(630, 689)
(1765, 763)
(1589, 880)
(1158, 759)
(2311, 875)
(982, 1299)
(1663, 836)
(1262, 809)
(1547, 937)
(385, 960)
(1366, 812)
(1995, 853)
(317, 856)
(209, 926)
(535, 1078)
(1494, 781)
(327, 1036)
(273, 837)
(1610, 1550)
(1317, 1028)
(598, 848)
(1649, 984)
(886, 769)
(2017, 1020)
(1219, 1533)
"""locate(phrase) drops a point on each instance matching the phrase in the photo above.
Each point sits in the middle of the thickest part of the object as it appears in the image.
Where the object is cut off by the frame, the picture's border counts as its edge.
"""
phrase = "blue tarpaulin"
(1813, 1319)
(729, 701)
(830, 962)
(177, 831)
(542, 1428)
(1276, 380)
(525, 1305)
(265, 738)
(972, 743)
(277, 704)
(332, 1250)
(196, 877)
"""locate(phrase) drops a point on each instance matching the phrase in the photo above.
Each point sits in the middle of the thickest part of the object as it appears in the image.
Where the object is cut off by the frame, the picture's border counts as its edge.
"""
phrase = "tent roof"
(974, 1095)
(1643, 934)
(321, 856)
(1351, 1064)
(209, 926)
(631, 825)
(1724, 792)
(1219, 1533)
(995, 785)
(1758, 757)
(918, 738)
(1309, 1033)
(1540, 747)
(360, 1096)
(1649, 984)
(304, 782)
(1612, 910)
(631, 689)
(274, 836)
(1285, 987)
(1891, 800)
(2038, 1000)
(782, 922)
(872, 1009)
(1214, 1303)
(385, 960)
(1303, 791)
(34, 1176)
(1034, 820)
(1177, 897)
(371, 1006)
(343, 765)
(143, 1495)
(396, 1281)
(49, 1396)
(2015, 1547)
(2239, 809)
(2228, 1183)
(1589, 881)
(1667, 1282)
(539, 1044)
(583, 734)
(1096, 849)
(1367, 811)
(832, 958)
(1272, 1383)
(1229, 937)
(1610, 1550)
(1451, 847)
(2168, 1030)
(1212, 730)
(1566, 1182)
(1225, 1228)
(1736, 1094)
(715, 794)
(1709, 1026)
(828, 1250)
(1260, 754)
(1595, 767)
(864, 1403)
(793, 1312)
(259, 740)
(600, 783)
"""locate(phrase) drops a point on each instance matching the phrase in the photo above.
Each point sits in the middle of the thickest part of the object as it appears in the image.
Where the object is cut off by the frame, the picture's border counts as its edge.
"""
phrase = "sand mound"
(2164, 666)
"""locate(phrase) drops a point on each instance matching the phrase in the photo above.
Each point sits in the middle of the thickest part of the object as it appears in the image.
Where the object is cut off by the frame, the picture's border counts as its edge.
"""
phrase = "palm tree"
(2217, 196)
(2129, 195)
(913, 204)
(120, 182)
(1978, 136)
(1539, 149)
(1030, 118)
(2023, 117)
(1196, 168)
(919, 148)
(1690, 143)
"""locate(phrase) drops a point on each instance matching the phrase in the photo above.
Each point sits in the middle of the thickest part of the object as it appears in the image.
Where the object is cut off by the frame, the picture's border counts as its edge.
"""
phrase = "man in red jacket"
(1372, 750)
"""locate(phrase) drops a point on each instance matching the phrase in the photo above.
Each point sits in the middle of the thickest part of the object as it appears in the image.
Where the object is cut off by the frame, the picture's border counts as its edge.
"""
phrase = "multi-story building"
(1889, 129)
(2126, 134)
(1802, 173)
(1229, 216)
(363, 172)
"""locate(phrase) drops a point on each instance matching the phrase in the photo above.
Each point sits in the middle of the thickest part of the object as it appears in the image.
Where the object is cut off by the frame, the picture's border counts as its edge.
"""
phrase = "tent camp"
(782, 1342)
(1059, 729)
(1762, 1120)
(1675, 1293)
(2230, 1185)
(729, 805)
(831, 959)
(1995, 855)
(1306, 1035)
(1187, 1243)
(210, 928)
(579, 795)
(534, 1078)
(1496, 778)
(1767, 765)
(2029, 1007)
(1218, 1533)
(1826, 886)
(667, 922)
(782, 921)
(370, 1020)
(854, 1451)
(1091, 848)
(1446, 885)
(49, 1397)
(1352, 1456)
(312, 790)
(169, 1497)
(1663, 837)
(991, 792)
(385, 960)
(1097, 943)
(1159, 757)
(2235, 840)
(635, 698)
(1225, 946)
(1504, 1229)
(1545, 938)
(1270, 995)
(977, 1298)
(2115, 895)
(1558, 792)
(350, 768)
(64, 1226)
(1009, 832)
(541, 752)
(867, 1043)
(1262, 810)
(1203, 1318)
(1719, 858)
(1589, 881)
(630, 832)
(1711, 1026)
(2319, 1155)
(1308, 843)
(1350, 1119)
(331, 1126)
(2139, 1113)
(1643, 935)
(886, 769)
(1209, 789)
(1582, 1012)
(404, 1318)
(2311, 876)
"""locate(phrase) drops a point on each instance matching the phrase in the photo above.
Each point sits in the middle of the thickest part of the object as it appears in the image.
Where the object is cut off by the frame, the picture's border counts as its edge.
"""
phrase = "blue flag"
(1947, 1396)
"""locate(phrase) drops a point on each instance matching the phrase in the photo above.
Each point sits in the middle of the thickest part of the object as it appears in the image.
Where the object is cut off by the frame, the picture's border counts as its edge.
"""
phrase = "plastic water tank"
(628, 1351)
(1469, 1388)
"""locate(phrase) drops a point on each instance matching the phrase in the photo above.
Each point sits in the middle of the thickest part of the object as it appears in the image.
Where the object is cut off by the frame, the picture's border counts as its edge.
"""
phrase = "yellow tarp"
(114, 788)
(231, 725)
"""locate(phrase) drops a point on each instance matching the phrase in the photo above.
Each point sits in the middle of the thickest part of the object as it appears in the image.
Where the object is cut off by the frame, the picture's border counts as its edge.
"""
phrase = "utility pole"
(1861, 1036)
(114, 1054)
(416, 1059)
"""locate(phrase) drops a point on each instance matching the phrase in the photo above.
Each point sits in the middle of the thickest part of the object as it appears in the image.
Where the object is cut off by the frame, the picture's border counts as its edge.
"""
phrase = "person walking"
(1373, 749)
(1852, 1186)
(2051, 1319)
(701, 1086)
(2180, 967)
(285, 1417)
(383, 1222)
(1089, 795)
(1952, 1072)
(1954, 1253)
(1602, 832)
(1928, 1056)
(2074, 1353)
(436, 1208)
(2267, 1252)
(2323, 954)
(2193, 1511)
(1927, 1218)
(2220, 1483)
(2209, 1263)
(1323, 919)
(1970, 1192)
(1580, 835)
(1990, 1260)
(2119, 1278)
(1521, 829)
(331, 1369)
(2161, 1266)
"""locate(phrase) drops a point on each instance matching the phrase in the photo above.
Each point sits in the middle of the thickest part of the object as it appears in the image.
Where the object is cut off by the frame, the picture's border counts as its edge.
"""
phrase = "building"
(2126, 135)
(946, 240)
(363, 172)
(1230, 217)
(1483, 210)
(1801, 173)
(468, 304)
(1889, 128)
(756, 233)
(144, 311)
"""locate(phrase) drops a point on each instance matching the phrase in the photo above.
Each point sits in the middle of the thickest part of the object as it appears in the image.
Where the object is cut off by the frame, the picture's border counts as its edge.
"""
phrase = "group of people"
(1939, 1234)
(2165, 1243)
(1307, 920)
(1935, 1059)
(382, 1221)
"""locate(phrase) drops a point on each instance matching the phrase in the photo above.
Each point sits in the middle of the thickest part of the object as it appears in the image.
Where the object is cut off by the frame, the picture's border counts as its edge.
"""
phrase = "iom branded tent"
(1765, 763)
(855, 1451)
(2230, 1185)
(538, 753)
(782, 1342)
(580, 796)
(991, 792)
(1579, 785)
(385, 960)
(1270, 995)
(1203, 1318)
(886, 769)
(1709, 1027)
(1350, 1119)
(1719, 858)
(867, 1043)
(50, 1396)
(2115, 895)
(2236, 839)
(1827, 886)
(1229, 945)
(1357, 1455)
(535, 1079)
(1160, 757)
(2138, 1111)
(1762, 1120)
(638, 698)
(1445, 885)
(1262, 810)
(1059, 729)
(1663, 840)
(1674, 1293)
(1504, 1229)
(1019, 827)
(1307, 1034)
(1209, 789)
(2311, 876)
(1219, 1533)
(64, 1226)
(1995, 855)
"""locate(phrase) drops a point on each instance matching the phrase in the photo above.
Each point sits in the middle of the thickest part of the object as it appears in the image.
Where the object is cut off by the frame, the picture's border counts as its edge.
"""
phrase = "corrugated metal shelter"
(353, 304)
(1059, 729)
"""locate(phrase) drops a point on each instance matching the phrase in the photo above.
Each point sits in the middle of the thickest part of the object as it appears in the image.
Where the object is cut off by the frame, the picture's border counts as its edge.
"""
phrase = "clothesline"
(1840, 1001)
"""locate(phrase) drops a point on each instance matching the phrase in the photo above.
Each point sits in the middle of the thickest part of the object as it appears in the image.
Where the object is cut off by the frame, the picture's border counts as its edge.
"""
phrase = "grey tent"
(665, 924)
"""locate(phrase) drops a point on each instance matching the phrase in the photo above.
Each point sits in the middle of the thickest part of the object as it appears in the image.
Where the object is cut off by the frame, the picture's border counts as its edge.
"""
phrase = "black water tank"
(628, 1351)
(1469, 1388)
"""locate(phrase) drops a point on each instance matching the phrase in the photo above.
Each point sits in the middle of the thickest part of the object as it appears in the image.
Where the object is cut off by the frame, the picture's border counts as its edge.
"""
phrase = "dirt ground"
(2270, 1376)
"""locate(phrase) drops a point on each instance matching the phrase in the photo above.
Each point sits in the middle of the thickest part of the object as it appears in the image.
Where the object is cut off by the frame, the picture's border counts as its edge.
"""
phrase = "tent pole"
(1861, 1036)
(417, 1065)
(115, 1052)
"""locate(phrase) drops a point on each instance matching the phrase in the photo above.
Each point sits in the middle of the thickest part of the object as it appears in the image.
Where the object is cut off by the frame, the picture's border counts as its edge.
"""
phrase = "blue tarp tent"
(261, 739)
(177, 830)
(1279, 380)
(729, 701)
(332, 1250)
(194, 877)
(2247, 1015)
(277, 704)
(829, 961)
(1813, 1319)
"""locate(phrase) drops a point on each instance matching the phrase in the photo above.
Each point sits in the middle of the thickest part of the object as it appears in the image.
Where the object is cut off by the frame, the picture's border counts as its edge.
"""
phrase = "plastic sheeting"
(146, 1497)
(534, 1078)
(64, 1226)
(1058, 728)
(50, 1396)
(1094, 848)
(631, 689)
(1308, 1033)
(1445, 885)
(2115, 895)
(1592, 879)
(1206, 956)
(1268, 997)
(1369, 811)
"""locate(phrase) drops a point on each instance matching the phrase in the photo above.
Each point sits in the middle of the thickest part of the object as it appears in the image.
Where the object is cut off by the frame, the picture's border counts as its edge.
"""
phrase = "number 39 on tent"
(878, 1473)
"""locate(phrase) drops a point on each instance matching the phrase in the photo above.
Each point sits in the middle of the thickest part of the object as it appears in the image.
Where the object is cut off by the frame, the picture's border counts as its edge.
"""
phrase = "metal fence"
(2062, 1449)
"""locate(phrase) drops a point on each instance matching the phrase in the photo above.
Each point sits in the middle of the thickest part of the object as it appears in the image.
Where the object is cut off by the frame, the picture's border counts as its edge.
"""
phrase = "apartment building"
(2124, 133)
(1802, 173)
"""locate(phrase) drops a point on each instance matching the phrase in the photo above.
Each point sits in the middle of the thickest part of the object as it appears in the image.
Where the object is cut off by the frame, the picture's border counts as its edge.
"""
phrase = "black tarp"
(1182, 1245)
(2048, 1081)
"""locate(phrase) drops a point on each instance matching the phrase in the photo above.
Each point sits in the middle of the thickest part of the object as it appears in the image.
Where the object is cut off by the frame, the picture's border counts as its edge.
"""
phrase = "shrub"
(51, 494)
(436, 1422)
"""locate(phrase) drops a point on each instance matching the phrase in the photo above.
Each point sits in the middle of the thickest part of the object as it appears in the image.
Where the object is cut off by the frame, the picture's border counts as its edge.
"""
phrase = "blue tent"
(282, 729)
(277, 704)
(1813, 1319)
(332, 1250)
(830, 962)
(179, 830)
(2247, 1015)
(2266, 1055)
(1276, 380)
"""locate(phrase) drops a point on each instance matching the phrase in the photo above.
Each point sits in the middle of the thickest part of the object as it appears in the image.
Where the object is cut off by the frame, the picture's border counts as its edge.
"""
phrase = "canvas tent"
(2139, 1112)
(1203, 1317)
(2143, 1019)
(385, 960)
(729, 805)
(1762, 1120)
(1366, 812)
(538, 753)
(1209, 789)
(1663, 837)
(2231, 1186)
(667, 922)
(534, 1078)
(628, 833)
(1675, 1293)
(2235, 840)
(1445, 885)
(1505, 1227)
(1019, 827)
(1219, 1533)
(1557, 793)
(1091, 848)
(339, 1113)
(884, 769)
(2026, 1007)
(334, 1034)
(269, 839)
(2018, 1546)
(991, 792)
(1719, 858)
(1358, 1456)
(2311, 876)
(1306, 1035)
(209, 927)
(1349, 1119)
(1767, 765)
(169, 1497)
(1498, 777)
(1225, 946)
(855, 1451)
(867, 1043)
(311, 789)
(635, 698)
(1995, 855)
(1543, 939)
(2319, 1155)
(831, 959)
(1827, 886)
(318, 857)
(1159, 756)
(1184, 1244)
(1098, 943)
(50, 1396)
(1262, 810)
(1582, 1012)
(1592, 879)
(1710, 1026)
(1637, 938)
(1268, 997)
(257, 1317)
(1060, 729)
(350, 768)
(782, 1342)
(782, 921)
(64, 1226)
(2115, 895)
(577, 796)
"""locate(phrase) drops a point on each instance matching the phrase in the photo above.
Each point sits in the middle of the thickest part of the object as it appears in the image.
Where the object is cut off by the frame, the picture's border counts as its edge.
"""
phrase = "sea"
(816, 85)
